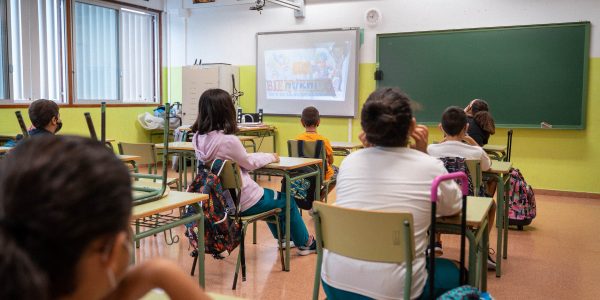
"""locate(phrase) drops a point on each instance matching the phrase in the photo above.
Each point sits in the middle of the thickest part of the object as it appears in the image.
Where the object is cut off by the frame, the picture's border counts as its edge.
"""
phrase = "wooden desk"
(477, 234)
(259, 132)
(345, 148)
(149, 215)
(497, 152)
(128, 158)
(158, 294)
(8, 135)
(499, 171)
(5, 149)
(285, 168)
(184, 151)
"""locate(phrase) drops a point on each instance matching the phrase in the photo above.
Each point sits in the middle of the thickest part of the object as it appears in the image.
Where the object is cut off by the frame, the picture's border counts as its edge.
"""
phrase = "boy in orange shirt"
(311, 120)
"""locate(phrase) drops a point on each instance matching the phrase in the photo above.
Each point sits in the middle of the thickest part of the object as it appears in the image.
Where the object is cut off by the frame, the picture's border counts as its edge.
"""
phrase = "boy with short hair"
(457, 143)
(44, 117)
(311, 120)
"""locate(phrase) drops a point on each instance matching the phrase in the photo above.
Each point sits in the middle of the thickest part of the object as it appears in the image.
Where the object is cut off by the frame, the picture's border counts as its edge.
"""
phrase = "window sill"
(84, 105)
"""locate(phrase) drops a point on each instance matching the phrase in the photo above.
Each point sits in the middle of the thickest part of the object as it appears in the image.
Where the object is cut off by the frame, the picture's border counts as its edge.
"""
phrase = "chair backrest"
(366, 235)
(309, 149)
(474, 166)
(146, 152)
(231, 176)
(22, 124)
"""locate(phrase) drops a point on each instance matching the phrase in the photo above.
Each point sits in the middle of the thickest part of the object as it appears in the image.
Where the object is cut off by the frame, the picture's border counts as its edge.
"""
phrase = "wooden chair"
(333, 225)
(147, 154)
(312, 149)
(231, 179)
(474, 166)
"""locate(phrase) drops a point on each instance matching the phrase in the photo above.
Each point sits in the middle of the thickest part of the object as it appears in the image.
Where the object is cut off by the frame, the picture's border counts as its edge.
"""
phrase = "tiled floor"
(558, 257)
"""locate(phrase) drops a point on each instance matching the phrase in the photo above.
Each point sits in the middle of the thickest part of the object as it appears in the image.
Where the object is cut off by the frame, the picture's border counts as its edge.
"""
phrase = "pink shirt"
(216, 144)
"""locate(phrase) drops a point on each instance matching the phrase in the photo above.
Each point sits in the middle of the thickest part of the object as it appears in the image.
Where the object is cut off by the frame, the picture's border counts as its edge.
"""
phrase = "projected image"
(316, 73)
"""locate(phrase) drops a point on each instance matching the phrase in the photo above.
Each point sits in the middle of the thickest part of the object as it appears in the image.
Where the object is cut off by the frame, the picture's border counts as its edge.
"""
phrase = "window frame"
(73, 100)
(69, 99)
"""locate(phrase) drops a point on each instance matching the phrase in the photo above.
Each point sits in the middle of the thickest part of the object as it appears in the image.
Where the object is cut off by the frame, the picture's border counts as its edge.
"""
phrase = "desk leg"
(499, 223)
(506, 206)
(472, 257)
(288, 183)
(485, 245)
(201, 250)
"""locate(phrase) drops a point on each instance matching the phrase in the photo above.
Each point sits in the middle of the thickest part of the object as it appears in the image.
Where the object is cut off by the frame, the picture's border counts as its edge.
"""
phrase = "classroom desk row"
(477, 223)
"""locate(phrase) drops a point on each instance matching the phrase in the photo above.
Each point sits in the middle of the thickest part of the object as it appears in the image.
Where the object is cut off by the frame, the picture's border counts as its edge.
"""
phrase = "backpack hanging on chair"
(221, 233)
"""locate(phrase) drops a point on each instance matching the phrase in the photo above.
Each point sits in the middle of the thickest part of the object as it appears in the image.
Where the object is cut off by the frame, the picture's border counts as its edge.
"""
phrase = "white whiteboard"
(296, 69)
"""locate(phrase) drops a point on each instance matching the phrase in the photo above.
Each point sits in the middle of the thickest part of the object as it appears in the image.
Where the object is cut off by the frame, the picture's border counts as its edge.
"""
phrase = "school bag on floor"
(521, 200)
(221, 233)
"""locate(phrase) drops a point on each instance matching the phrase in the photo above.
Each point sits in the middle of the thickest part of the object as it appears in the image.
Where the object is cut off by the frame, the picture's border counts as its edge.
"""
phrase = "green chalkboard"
(528, 74)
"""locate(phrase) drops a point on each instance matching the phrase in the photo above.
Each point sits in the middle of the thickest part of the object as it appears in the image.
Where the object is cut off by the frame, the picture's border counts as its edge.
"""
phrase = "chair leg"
(254, 233)
(194, 264)
(243, 252)
(137, 230)
(279, 241)
(239, 259)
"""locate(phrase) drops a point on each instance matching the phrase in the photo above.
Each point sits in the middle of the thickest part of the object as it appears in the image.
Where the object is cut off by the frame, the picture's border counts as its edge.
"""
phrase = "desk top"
(477, 211)
(172, 201)
(290, 163)
(158, 294)
(346, 145)
(126, 158)
(182, 146)
(499, 167)
(255, 128)
(494, 148)
(245, 138)
(5, 149)
(11, 135)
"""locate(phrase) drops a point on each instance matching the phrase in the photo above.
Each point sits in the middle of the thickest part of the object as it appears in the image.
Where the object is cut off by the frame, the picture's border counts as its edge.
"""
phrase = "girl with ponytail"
(481, 122)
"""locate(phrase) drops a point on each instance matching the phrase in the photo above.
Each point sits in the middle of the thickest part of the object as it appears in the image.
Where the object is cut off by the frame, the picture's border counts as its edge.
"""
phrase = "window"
(113, 57)
(116, 56)
(37, 50)
(3, 52)
(96, 52)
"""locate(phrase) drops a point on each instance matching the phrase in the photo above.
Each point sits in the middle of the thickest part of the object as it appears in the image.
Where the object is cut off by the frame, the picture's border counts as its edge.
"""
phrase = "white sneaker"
(292, 245)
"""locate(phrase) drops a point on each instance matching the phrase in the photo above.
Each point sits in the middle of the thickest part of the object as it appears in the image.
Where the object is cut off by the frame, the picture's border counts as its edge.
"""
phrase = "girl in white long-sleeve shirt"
(389, 176)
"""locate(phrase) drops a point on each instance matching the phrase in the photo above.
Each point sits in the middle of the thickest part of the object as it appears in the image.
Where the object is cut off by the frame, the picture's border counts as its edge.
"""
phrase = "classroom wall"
(121, 122)
(565, 160)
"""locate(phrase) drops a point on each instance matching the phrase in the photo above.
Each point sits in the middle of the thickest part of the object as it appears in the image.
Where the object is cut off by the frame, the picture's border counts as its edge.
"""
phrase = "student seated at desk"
(65, 209)
(389, 176)
(457, 143)
(44, 117)
(214, 138)
(481, 122)
(310, 121)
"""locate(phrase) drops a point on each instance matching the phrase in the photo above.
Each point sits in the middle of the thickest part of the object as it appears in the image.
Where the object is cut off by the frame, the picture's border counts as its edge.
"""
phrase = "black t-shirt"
(477, 133)
(39, 131)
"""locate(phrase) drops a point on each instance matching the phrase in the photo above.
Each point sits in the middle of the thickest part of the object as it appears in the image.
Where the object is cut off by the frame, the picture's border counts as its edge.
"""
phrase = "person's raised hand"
(421, 137)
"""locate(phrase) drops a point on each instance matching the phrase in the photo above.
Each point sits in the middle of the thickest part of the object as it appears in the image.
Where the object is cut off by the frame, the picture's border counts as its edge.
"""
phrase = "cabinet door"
(195, 81)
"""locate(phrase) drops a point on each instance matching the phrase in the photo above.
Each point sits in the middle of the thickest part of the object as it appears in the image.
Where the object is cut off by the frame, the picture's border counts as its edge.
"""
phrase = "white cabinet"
(197, 79)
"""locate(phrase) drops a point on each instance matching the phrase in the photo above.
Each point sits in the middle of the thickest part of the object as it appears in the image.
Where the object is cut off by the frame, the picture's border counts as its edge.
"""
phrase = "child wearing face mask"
(44, 117)
(69, 236)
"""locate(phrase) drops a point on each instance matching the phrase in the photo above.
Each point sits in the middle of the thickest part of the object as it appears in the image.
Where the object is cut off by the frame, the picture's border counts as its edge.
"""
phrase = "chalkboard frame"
(586, 48)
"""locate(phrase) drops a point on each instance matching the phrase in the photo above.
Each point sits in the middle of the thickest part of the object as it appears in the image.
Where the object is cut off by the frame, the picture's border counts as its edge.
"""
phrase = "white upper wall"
(227, 33)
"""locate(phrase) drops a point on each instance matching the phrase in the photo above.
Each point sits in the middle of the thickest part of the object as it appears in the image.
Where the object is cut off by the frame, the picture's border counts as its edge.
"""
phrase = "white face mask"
(110, 274)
